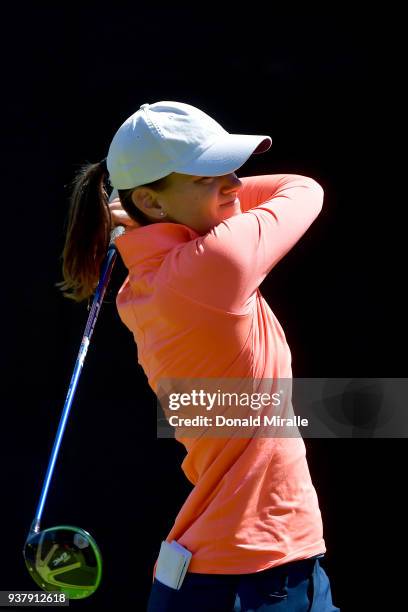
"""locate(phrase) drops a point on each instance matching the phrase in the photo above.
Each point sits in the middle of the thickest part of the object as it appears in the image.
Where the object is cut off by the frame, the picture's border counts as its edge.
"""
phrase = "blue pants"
(300, 586)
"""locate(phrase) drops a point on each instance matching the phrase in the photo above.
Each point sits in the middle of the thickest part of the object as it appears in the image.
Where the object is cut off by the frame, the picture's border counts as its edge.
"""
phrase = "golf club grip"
(104, 278)
(106, 271)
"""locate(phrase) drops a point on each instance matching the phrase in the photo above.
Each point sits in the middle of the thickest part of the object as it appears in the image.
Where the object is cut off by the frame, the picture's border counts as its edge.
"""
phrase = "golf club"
(65, 558)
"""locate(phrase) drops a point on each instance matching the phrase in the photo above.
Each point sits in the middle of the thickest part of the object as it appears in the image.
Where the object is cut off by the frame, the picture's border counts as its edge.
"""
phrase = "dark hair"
(88, 229)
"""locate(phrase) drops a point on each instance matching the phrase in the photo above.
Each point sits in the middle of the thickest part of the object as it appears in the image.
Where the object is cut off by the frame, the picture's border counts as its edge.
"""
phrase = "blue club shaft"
(106, 271)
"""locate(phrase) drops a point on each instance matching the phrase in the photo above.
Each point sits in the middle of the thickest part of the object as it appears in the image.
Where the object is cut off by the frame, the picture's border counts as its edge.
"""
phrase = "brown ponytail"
(88, 229)
(87, 234)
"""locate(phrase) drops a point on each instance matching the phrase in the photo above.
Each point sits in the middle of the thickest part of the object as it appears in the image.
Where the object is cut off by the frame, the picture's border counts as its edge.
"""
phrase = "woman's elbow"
(318, 193)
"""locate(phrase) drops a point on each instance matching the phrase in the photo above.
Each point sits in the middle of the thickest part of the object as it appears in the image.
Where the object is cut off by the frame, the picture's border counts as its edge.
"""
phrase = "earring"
(162, 213)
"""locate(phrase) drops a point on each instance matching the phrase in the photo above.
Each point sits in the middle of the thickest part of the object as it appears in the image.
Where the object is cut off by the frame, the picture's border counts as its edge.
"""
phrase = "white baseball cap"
(167, 137)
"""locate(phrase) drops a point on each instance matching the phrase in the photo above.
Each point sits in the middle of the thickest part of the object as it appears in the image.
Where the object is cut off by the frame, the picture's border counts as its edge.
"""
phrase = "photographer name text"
(251, 421)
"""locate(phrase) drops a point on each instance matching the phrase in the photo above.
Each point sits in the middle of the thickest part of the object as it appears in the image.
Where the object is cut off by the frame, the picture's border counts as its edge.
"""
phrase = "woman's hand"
(120, 216)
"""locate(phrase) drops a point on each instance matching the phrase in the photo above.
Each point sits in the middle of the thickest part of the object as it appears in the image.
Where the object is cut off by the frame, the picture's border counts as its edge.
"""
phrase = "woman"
(198, 243)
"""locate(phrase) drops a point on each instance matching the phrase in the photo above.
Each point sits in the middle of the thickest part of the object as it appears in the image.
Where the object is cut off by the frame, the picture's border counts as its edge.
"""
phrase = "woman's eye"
(205, 178)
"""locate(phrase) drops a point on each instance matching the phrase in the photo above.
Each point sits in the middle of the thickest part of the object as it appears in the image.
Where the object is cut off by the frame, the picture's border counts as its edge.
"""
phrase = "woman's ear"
(142, 199)
(146, 200)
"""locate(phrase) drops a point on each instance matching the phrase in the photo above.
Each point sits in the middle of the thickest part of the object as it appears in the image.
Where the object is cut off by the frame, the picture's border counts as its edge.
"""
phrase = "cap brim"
(225, 155)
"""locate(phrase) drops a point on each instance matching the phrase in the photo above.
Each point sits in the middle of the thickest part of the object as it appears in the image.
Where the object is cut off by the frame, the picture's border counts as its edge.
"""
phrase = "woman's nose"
(233, 183)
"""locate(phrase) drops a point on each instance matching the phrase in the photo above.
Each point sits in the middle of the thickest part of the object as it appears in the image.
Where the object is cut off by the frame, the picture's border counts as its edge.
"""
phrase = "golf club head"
(65, 559)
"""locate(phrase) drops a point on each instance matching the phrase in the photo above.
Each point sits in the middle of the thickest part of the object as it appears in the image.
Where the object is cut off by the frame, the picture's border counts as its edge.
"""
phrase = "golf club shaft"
(106, 271)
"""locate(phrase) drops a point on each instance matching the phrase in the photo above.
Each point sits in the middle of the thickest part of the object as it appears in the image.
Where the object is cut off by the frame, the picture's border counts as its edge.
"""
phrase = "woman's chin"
(230, 211)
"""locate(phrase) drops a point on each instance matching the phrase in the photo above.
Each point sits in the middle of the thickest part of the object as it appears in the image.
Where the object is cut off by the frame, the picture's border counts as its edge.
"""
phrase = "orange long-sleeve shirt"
(193, 304)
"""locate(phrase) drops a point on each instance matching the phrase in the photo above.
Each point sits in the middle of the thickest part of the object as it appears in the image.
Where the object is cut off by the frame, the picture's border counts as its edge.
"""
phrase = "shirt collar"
(152, 241)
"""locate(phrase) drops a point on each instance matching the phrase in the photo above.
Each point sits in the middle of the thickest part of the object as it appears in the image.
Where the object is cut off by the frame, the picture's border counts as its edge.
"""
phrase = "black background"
(326, 87)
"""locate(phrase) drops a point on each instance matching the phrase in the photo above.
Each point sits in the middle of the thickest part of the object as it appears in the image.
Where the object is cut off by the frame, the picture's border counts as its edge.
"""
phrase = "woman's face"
(196, 201)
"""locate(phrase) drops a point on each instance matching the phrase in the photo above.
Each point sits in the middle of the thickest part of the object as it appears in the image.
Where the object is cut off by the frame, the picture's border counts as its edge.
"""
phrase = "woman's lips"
(231, 203)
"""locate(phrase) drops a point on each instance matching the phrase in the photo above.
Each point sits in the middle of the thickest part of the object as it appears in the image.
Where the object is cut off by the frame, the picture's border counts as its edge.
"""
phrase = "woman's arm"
(225, 267)
(256, 190)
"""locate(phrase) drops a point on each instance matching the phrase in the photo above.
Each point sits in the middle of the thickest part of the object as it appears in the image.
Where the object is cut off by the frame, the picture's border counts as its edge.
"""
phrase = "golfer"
(198, 242)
